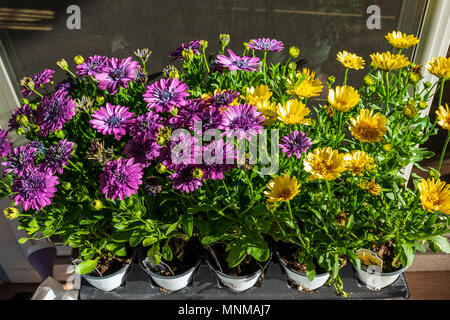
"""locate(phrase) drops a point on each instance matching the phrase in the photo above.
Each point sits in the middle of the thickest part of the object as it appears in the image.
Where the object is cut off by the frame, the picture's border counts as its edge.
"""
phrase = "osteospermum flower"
(235, 62)
(265, 44)
(20, 160)
(211, 118)
(112, 120)
(143, 152)
(120, 178)
(92, 66)
(16, 120)
(243, 120)
(34, 188)
(309, 87)
(258, 94)
(293, 112)
(219, 158)
(444, 117)
(401, 40)
(52, 113)
(146, 126)
(183, 179)
(222, 98)
(268, 110)
(282, 189)
(368, 127)
(163, 95)
(57, 156)
(5, 146)
(117, 73)
(296, 142)
(39, 79)
(440, 67)
(326, 163)
(343, 98)
(193, 45)
(388, 61)
(356, 162)
(435, 195)
(350, 60)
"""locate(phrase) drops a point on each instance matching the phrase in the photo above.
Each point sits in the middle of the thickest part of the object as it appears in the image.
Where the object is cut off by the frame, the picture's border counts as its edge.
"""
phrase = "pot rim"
(295, 271)
(126, 266)
(384, 274)
(265, 265)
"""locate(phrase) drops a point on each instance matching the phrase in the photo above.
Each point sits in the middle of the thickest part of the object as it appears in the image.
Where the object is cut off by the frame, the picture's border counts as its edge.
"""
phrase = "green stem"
(204, 58)
(441, 93)
(278, 223)
(443, 151)
(386, 110)
(345, 76)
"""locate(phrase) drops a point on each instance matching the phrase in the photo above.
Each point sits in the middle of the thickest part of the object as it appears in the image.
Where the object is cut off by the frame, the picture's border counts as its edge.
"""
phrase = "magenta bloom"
(222, 99)
(295, 143)
(212, 118)
(185, 115)
(39, 79)
(117, 73)
(112, 120)
(146, 126)
(5, 146)
(20, 160)
(219, 158)
(25, 109)
(34, 188)
(143, 152)
(194, 45)
(53, 113)
(92, 66)
(184, 180)
(120, 178)
(57, 156)
(243, 121)
(163, 95)
(266, 44)
(235, 62)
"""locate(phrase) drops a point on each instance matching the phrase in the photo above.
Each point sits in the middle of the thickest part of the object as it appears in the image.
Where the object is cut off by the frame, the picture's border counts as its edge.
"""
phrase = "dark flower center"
(117, 74)
(114, 121)
(240, 64)
(166, 95)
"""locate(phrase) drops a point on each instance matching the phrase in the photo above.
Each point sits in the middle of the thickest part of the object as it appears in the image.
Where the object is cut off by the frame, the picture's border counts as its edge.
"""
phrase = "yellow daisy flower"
(374, 188)
(435, 195)
(367, 127)
(343, 98)
(388, 61)
(350, 60)
(440, 67)
(11, 213)
(356, 162)
(269, 111)
(254, 95)
(324, 163)
(444, 117)
(401, 40)
(282, 189)
(293, 112)
(309, 87)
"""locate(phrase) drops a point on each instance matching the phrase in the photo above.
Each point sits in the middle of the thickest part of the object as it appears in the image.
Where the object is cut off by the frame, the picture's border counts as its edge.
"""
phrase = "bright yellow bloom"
(444, 117)
(293, 112)
(269, 111)
(309, 87)
(282, 189)
(294, 52)
(356, 162)
(258, 94)
(350, 60)
(435, 195)
(343, 98)
(11, 213)
(401, 40)
(367, 127)
(324, 163)
(388, 61)
(440, 67)
(374, 188)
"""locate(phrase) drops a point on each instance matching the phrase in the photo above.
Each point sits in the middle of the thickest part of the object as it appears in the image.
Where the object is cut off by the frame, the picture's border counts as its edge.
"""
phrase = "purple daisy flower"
(295, 143)
(222, 99)
(34, 188)
(212, 118)
(266, 44)
(112, 120)
(243, 121)
(39, 146)
(64, 85)
(117, 74)
(184, 180)
(143, 152)
(216, 66)
(146, 126)
(219, 158)
(194, 45)
(25, 110)
(163, 95)
(173, 154)
(92, 66)
(20, 160)
(57, 156)
(5, 146)
(51, 114)
(120, 178)
(39, 79)
(235, 62)
(184, 117)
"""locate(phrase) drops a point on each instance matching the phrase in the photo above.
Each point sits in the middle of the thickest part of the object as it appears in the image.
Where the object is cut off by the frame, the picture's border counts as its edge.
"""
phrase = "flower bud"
(294, 52)
(369, 80)
(204, 43)
(11, 213)
(364, 184)
(372, 88)
(160, 140)
(331, 80)
(224, 39)
(25, 101)
(423, 105)
(20, 131)
(414, 77)
(292, 66)
(22, 120)
(173, 74)
(410, 111)
(174, 111)
(387, 147)
(96, 205)
(427, 84)
(100, 100)
(197, 173)
(27, 82)
(188, 54)
(160, 168)
(271, 206)
(78, 59)
(434, 173)
(67, 185)
(370, 167)
(62, 64)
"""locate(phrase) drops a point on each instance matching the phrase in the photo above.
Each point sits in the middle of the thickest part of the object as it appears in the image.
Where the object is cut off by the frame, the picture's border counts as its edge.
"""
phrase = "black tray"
(274, 286)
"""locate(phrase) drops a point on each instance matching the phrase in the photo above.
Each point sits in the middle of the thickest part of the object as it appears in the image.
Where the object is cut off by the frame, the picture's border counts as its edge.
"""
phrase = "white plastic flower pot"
(240, 283)
(109, 282)
(301, 279)
(374, 280)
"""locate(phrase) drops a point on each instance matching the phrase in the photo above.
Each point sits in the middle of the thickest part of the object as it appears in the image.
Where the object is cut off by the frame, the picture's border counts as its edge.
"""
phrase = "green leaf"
(187, 222)
(22, 240)
(354, 258)
(261, 254)
(441, 242)
(167, 252)
(236, 254)
(136, 237)
(86, 267)
(154, 255)
(148, 241)
(171, 228)
(408, 253)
